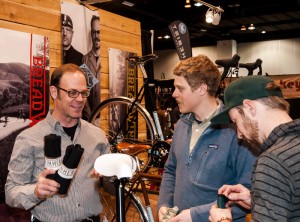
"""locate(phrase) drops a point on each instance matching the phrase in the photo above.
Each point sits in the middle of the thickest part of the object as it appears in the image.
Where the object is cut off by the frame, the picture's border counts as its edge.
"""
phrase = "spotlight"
(187, 4)
(243, 28)
(209, 17)
(213, 14)
(251, 27)
(216, 18)
(198, 4)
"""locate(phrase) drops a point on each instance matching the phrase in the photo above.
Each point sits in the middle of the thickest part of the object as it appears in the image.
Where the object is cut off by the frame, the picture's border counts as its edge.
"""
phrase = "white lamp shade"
(216, 18)
(209, 15)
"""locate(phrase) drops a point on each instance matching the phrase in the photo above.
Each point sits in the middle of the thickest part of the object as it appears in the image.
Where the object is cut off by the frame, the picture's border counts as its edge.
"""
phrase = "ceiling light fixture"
(216, 18)
(130, 4)
(213, 14)
(251, 27)
(209, 17)
(243, 28)
(187, 4)
(198, 4)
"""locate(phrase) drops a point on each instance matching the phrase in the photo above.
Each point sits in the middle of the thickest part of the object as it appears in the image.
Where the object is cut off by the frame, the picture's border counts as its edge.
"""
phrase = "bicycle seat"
(232, 62)
(142, 59)
(115, 164)
(131, 149)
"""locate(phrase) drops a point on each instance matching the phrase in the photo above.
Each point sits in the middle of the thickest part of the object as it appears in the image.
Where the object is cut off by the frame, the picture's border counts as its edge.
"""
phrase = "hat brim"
(222, 118)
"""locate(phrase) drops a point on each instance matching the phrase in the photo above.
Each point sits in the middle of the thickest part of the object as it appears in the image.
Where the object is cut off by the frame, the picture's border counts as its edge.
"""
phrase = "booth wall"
(279, 57)
(42, 17)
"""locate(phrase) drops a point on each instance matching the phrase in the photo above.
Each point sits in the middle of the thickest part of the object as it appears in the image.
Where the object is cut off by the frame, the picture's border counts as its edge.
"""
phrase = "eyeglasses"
(95, 32)
(74, 93)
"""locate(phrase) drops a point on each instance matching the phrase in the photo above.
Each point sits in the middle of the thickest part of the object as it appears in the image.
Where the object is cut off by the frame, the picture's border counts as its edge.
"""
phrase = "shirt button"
(78, 205)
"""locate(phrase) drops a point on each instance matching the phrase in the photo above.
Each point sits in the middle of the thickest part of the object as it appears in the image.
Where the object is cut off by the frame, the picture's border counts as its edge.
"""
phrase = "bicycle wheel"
(134, 209)
(137, 127)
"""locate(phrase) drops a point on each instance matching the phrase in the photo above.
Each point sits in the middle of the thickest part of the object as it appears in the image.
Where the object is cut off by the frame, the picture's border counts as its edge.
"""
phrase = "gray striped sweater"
(276, 178)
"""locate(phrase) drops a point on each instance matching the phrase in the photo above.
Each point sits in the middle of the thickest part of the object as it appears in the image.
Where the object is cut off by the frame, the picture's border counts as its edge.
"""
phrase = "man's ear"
(53, 92)
(202, 89)
(250, 106)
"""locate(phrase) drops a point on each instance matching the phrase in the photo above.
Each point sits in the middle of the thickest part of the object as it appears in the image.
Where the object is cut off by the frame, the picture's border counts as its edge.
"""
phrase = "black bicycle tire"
(128, 102)
(136, 201)
(134, 207)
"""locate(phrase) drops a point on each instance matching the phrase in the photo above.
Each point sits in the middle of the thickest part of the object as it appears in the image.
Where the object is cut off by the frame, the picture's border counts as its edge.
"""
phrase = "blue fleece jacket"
(191, 180)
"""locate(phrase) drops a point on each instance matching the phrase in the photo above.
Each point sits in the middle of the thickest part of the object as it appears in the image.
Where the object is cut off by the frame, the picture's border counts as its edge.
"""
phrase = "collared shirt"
(28, 161)
(198, 128)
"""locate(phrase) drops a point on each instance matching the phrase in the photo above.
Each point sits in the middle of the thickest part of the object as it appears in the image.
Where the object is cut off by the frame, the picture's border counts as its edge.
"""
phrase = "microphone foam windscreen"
(69, 165)
(52, 150)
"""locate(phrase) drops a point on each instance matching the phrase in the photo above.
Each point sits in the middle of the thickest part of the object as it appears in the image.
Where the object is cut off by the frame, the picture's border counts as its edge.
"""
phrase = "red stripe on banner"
(45, 76)
(30, 84)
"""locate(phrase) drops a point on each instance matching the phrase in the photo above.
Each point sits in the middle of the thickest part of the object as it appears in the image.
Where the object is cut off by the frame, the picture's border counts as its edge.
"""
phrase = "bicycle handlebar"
(232, 62)
(142, 59)
(252, 66)
(227, 63)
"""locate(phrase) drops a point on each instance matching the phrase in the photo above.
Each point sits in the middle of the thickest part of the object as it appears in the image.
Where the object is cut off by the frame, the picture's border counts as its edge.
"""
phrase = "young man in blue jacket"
(203, 156)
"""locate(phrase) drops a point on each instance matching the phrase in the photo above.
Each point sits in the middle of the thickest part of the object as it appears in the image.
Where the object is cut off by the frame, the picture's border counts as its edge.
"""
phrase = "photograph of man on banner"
(81, 46)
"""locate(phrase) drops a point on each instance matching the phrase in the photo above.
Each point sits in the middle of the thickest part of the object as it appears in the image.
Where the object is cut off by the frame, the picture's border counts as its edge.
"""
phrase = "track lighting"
(213, 14)
(243, 28)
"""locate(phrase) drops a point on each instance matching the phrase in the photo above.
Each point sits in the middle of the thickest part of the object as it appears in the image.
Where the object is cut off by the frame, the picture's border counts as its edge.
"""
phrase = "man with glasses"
(92, 60)
(28, 186)
(70, 55)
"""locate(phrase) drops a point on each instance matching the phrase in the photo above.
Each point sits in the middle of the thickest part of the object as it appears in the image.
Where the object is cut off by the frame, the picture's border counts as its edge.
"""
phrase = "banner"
(181, 37)
(24, 95)
(289, 84)
(122, 82)
(81, 46)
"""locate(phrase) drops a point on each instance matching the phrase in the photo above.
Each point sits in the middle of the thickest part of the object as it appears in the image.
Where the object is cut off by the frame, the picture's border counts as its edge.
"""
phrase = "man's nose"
(174, 94)
(80, 97)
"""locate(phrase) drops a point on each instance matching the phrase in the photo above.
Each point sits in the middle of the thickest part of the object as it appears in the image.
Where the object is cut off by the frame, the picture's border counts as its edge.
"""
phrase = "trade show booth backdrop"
(33, 17)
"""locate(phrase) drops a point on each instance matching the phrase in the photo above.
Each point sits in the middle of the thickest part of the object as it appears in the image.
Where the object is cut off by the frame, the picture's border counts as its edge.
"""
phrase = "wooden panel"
(106, 45)
(120, 23)
(53, 36)
(120, 38)
(55, 57)
(42, 17)
(28, 15)
(104, 80)
(45, 4)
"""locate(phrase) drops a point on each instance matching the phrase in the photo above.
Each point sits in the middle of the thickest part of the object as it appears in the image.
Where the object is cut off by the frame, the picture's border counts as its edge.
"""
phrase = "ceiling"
(280, 19)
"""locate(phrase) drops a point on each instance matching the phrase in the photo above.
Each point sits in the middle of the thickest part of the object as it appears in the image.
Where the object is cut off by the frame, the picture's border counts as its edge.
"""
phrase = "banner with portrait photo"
(24, 96)
(81, 46)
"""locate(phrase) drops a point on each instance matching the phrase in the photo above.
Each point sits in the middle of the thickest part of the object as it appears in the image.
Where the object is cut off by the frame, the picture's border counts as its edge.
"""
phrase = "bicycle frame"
(140, 62)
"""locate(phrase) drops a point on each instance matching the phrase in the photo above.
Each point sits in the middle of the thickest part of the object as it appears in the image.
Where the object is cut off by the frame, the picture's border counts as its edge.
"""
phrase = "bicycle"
(130, 129)
(231, 67)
